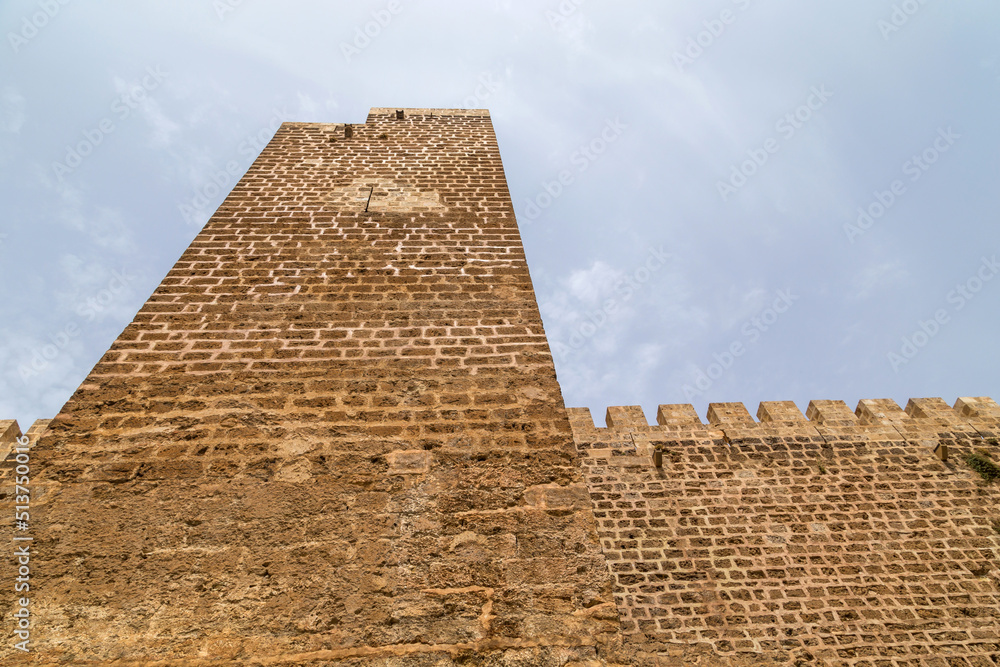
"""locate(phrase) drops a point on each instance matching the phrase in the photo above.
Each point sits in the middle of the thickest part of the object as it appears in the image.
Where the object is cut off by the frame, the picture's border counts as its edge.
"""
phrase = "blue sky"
(727, 200)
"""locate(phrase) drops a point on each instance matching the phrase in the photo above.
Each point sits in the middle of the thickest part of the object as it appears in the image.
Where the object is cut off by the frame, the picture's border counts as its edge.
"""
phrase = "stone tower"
(333, 436)
(332, 432)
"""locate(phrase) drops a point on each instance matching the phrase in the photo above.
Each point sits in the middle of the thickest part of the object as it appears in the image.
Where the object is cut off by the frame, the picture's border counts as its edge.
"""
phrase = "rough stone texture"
(333, 436)
(841, 539)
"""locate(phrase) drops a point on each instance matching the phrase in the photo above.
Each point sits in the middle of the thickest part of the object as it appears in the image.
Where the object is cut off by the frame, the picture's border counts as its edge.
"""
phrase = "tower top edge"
(378, 111)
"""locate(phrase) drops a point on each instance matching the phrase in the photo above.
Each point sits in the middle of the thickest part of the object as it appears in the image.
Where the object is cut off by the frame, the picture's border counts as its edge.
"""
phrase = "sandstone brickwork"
(333, 436)
(841, 539)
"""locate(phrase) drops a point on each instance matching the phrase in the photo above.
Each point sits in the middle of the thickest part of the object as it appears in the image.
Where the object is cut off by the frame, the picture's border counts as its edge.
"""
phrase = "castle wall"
(838, 539)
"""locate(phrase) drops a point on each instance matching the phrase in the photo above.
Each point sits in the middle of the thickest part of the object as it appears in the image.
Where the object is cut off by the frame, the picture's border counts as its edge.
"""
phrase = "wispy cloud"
(12, 110)
(871, 279)
(140, 98)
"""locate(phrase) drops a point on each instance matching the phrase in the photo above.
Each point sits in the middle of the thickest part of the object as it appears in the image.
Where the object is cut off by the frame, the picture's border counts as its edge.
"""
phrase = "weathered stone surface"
(332, 435)
(840, 540)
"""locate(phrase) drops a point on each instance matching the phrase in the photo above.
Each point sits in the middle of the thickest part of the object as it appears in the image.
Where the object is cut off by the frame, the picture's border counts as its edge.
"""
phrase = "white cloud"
(877, 277)
(144, 100)
(106, 226)
(12, 110)
(164, 129)
(590, 285)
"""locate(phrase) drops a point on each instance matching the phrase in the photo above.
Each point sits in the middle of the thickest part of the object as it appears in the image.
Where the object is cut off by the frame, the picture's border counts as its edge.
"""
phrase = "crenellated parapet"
(980, 413)
(929, 422)
(10, 434)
